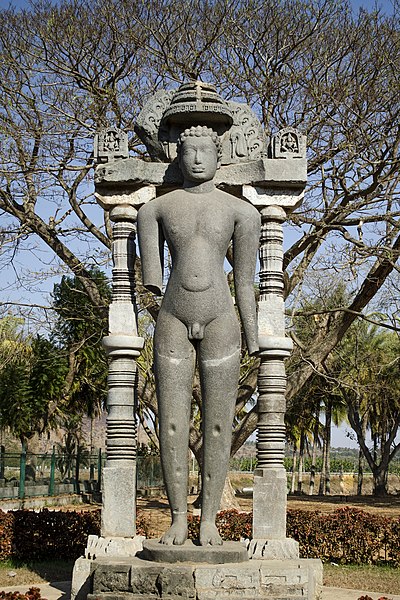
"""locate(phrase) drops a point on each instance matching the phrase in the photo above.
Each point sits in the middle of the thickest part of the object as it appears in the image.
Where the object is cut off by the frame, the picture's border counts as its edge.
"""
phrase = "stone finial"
(289, 143)
(110, 144)
(198, 102)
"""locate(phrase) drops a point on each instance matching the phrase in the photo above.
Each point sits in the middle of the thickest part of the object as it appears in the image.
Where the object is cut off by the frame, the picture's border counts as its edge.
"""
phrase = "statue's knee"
(171, 430)
(216, 431)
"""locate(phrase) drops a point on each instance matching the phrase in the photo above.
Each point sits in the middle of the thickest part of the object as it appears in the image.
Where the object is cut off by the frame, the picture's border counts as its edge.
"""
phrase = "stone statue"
(197, 317)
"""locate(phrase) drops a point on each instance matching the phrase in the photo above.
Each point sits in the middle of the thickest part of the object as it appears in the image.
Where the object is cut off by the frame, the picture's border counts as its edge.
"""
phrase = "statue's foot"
(176, 535)
(209, 534)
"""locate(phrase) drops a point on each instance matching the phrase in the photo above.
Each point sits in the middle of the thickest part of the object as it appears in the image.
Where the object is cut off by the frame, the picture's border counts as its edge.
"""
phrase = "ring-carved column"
(270, 487)
(123, 346)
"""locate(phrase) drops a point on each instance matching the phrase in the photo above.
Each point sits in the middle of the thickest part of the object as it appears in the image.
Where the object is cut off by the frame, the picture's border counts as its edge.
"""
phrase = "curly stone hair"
(199, 131)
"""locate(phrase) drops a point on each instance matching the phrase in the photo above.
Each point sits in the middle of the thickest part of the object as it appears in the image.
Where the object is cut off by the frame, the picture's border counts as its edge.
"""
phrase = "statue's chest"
(186, 220)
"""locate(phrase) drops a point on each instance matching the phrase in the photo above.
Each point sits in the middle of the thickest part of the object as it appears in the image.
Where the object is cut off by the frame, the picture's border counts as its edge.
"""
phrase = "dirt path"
(157, 513)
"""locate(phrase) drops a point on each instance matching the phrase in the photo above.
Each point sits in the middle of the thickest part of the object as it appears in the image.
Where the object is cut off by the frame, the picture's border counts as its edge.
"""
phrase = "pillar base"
(285, 549)
(118, 515)
(269, 504)
(101, 548)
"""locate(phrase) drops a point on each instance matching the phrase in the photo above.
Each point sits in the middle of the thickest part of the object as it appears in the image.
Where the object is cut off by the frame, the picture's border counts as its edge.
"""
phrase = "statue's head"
(199, 152)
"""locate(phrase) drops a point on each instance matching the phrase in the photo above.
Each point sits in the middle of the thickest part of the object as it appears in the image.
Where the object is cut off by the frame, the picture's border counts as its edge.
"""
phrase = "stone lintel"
(109, 199)
(133, 173)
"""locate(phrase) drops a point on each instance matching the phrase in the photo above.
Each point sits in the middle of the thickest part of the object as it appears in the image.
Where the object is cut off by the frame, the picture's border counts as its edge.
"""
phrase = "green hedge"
(30, 535)
(346, 536)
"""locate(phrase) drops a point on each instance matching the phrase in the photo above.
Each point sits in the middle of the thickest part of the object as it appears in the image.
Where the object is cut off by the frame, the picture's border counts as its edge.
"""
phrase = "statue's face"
(198, 159)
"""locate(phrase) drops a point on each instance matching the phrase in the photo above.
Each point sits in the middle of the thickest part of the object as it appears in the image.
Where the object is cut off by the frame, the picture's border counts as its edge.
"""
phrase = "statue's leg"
(219, 372)
(174, 362)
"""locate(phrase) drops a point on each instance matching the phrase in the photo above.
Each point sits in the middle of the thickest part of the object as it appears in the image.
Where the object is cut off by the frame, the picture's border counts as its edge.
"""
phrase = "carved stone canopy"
(167, 114)
(276, 172)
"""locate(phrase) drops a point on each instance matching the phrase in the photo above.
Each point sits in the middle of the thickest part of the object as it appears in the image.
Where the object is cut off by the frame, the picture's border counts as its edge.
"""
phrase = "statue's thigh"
(221, 337)
(171, 337)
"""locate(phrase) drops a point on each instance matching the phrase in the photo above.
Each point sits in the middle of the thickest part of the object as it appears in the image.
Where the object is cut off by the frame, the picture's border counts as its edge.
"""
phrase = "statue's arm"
(245, 246)
(151, 245)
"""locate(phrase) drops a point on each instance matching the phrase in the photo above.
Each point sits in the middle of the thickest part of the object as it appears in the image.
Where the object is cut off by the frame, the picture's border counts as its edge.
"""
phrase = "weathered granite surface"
(255, 580)
(264, 172)
(197, 320)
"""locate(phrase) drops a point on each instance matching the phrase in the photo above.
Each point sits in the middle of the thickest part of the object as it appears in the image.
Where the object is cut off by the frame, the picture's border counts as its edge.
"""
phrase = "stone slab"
(133, 173)
(229, 552)
(273, 549)
(261, 197)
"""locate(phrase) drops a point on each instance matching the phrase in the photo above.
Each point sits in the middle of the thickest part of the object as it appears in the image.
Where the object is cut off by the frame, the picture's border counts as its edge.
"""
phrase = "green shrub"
(6, 534)
(55, 534)
(231, 524)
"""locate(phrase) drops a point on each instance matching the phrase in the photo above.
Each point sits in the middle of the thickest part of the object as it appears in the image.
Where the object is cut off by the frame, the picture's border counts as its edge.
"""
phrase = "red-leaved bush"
(30, 535)
(347, 536)
(32, 594)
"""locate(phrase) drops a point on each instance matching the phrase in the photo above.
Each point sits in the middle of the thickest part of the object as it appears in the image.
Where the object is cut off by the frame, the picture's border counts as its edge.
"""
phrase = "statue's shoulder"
(241, 206)
(157, 204)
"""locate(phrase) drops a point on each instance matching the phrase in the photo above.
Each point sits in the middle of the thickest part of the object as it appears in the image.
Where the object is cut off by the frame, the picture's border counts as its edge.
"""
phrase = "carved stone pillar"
(123, 347)
(270, 487)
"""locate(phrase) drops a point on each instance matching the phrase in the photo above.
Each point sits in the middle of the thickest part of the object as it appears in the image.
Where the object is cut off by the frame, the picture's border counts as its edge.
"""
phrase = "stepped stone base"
(138, 579)
(229, 552)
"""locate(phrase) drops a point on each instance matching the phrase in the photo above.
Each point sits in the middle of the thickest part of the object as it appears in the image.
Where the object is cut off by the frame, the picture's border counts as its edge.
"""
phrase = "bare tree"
(68, 69)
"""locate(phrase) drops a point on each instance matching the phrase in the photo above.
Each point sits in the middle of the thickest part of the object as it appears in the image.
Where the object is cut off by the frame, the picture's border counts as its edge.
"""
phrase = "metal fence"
(27, 475)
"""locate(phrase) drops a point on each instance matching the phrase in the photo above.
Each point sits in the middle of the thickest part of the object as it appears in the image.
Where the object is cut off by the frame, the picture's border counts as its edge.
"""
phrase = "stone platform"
(229, 552)
(139, 579)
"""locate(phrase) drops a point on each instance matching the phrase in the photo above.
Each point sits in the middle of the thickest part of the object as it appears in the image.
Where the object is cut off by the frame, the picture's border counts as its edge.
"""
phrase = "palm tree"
(370, 386)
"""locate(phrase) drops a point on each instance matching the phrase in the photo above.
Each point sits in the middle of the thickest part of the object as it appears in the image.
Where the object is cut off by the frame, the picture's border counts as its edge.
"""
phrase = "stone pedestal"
(137, 579)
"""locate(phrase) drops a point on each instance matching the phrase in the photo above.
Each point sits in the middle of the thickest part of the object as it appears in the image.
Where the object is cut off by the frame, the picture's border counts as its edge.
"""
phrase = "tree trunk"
(228, 499)
(314, 450)
(380, 481)
(301, 463)
(322, 481)
(360, 477)
(292, 485)
(328, 425)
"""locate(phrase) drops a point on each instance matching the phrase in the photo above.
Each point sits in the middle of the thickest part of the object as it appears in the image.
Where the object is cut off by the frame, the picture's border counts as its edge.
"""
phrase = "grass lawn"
(34, 572)
(370, 578)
